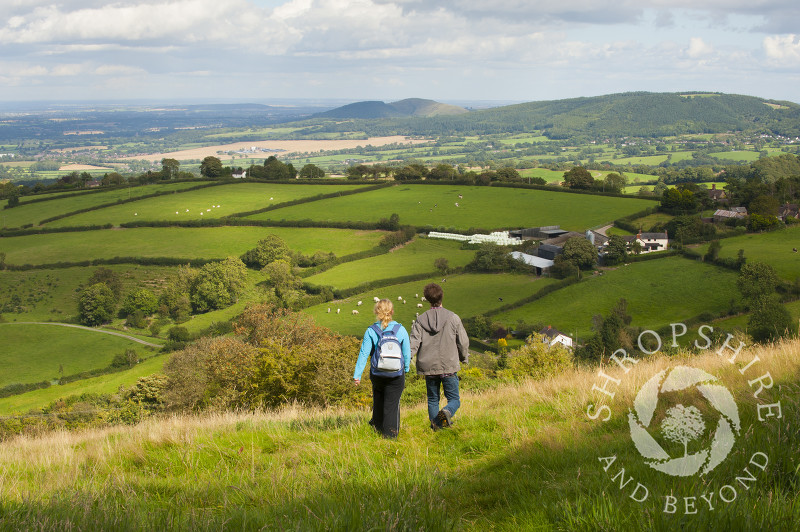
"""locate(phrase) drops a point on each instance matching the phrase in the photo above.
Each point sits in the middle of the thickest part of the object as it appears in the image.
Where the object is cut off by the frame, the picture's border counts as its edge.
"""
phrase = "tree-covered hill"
(639, 114)
(410, 107)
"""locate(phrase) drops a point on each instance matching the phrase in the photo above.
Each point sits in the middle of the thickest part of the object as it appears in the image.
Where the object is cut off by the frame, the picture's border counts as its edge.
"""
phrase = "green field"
(213, 202)
(658, 292)
(52, 295)
(34, 353)
(485, 207)
(188, 243)
(34, 213)
(739, 156)
(774, 248)
(104, 384)
(413, 258)
(466, 294)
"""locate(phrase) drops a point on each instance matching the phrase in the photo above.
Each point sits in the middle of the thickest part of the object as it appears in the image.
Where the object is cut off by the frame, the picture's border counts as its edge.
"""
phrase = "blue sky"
(520, 50)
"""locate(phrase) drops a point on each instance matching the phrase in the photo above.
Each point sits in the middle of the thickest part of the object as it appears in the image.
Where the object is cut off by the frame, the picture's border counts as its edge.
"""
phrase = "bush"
(537, 359)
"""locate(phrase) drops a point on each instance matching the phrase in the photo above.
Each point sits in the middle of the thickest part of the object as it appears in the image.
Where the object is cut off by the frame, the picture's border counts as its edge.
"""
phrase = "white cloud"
(698, 48)
(783, 49)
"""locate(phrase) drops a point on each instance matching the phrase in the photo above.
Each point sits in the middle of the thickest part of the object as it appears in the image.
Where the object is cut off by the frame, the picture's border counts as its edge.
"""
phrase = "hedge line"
(301, 201)
(123, 201)
(42, 230)
(533, 297)
(327, 265)
(482, 346)
(237, 222)
(625, 221)
(372, 285)
(652, 255)
(573, 191)
(730, 263)
(142, 261)
(19, 388)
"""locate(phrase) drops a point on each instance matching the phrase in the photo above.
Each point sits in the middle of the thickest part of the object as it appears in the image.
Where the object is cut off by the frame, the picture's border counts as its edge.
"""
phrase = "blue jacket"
(371, 339)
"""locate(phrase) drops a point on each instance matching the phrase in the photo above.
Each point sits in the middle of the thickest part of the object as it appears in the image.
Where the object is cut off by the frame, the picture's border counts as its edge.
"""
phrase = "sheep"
(404, 301)
(416, 295)
(399, 298)
(329, 310)
(460, 196)
(338, 310)
(355, 311)
(375, 299)
(359, 303)
(419, 305)
(176, 212)
(456, 204)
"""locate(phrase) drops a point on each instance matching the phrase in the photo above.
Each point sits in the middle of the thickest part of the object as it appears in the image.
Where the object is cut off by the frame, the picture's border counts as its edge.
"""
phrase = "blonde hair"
(384, 310)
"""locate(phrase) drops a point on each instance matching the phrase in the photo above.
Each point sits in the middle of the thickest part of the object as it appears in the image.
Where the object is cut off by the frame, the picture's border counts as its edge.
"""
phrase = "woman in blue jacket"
(388, 381)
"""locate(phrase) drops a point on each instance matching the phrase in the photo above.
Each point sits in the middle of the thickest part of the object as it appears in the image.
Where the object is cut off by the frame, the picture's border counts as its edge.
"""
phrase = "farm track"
(132, 338)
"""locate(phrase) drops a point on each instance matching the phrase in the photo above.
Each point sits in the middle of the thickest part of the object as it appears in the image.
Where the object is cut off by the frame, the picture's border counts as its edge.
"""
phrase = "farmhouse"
(788, 210)
(540, 265)
(239, 174)
(736, 213)
(554, 336)
(717, 195)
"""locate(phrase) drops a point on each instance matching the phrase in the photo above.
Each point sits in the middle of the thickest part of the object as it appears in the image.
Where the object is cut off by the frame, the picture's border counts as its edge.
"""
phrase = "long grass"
(520, 457)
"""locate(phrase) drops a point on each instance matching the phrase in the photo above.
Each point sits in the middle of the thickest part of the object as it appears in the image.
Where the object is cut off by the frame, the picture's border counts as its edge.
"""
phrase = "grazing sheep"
(399, 298)
(419, 305)
(338, 310)
(456, 204)
(375, 299)
(176, 212)
(270, 198)
(136, 214)
(359, 303)
(794, 249)
(355, 311)
(416, 295)
(460, 196)
(329, 310)
(404, 301)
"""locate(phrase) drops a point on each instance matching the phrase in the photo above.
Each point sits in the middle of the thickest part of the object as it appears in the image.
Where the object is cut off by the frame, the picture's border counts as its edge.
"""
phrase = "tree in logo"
(684, 424)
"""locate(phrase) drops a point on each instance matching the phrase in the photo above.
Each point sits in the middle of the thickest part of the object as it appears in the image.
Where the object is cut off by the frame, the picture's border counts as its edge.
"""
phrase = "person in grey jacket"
(440, 343)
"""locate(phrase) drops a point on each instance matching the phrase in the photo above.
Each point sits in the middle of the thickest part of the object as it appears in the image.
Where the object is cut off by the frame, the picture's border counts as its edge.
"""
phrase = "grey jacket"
(439, 341)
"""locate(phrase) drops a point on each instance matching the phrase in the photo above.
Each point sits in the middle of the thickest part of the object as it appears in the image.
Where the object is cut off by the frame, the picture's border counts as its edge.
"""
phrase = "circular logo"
(683, 424)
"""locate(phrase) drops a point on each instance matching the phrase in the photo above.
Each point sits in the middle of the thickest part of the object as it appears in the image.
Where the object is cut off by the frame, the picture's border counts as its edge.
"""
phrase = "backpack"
(387, 355)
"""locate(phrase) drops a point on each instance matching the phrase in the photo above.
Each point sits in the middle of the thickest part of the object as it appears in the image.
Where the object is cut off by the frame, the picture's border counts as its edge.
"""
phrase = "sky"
(446, 50)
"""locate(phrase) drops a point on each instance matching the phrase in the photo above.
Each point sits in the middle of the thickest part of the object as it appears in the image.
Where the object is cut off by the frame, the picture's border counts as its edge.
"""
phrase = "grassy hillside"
(34, 353)
(775, 248)
(416, 257)
(214, 202)
(465, 294)
(484, 207)
(188, 243)
(658, 292)
(30, 212)
(522, 457)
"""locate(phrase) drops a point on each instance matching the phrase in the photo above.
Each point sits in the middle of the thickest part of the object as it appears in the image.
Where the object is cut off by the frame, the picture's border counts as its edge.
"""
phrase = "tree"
(757, 279)
(170, 168)
(283, 281)
(111, 179)
(769, 320)
(507, 173)
(713, 251)
(218, 284)
(211, 167)
(141, 300)
(578, 178)
(682, 425)
(109, 277)
(270, 248)
(311, 171)
(615, 182)
(96, 304)
(616, 250)
(442, 265)
(580, 252)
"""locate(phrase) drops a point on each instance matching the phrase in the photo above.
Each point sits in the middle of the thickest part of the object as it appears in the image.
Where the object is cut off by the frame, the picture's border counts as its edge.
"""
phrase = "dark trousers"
(386, 392)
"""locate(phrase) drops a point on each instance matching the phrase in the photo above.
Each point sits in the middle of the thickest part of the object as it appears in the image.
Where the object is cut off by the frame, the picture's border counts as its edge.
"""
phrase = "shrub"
(537, 359)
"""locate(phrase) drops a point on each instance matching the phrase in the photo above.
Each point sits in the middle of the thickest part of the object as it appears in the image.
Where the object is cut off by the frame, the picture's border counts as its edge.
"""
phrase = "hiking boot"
(443, 418)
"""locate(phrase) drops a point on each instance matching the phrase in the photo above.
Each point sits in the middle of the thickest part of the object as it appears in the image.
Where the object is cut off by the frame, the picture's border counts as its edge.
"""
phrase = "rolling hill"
(411, 107)
(638, 114)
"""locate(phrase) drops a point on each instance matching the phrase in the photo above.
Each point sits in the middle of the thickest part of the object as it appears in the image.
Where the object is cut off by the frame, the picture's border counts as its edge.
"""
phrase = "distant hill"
(640, 114)
(411, 107)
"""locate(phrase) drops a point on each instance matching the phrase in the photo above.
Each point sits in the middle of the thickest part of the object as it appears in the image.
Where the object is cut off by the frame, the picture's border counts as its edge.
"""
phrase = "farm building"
(716, 194)
(541, 265)
(722, 215)
(548, 251)
(788, 209)
(554, 336)
(538, 233)
(649, 241)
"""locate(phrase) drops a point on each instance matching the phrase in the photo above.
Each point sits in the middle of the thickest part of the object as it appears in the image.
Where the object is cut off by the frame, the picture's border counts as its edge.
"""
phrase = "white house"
(649, 241)
(554, 336)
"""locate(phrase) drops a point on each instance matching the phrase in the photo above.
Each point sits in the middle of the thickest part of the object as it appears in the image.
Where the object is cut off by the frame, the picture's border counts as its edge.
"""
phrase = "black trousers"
(386, 392)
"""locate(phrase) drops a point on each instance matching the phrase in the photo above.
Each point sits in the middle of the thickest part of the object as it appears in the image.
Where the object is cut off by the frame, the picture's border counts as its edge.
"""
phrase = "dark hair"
(433, 293)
